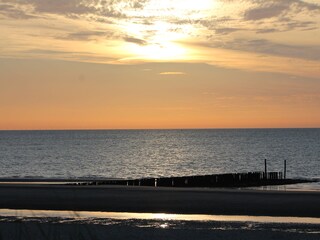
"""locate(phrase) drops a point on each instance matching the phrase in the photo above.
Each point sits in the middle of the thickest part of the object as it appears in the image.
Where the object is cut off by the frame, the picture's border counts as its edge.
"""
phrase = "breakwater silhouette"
(215, 180)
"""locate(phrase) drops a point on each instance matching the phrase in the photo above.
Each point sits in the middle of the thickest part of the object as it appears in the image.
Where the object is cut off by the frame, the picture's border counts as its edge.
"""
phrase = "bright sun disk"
(161, 35)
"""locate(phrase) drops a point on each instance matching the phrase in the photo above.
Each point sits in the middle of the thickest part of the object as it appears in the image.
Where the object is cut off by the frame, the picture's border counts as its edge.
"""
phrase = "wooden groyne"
(215, 180)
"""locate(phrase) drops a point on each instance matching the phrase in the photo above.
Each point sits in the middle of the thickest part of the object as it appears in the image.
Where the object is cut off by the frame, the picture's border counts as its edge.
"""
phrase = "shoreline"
(160, 200)
(197, 181)
(287, 185)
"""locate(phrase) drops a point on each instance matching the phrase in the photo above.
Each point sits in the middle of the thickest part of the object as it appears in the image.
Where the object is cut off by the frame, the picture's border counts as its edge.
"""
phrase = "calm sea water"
(143, 153)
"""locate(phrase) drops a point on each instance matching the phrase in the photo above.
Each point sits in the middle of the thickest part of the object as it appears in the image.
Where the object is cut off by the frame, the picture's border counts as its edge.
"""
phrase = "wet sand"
(12, 228)
(160, 200)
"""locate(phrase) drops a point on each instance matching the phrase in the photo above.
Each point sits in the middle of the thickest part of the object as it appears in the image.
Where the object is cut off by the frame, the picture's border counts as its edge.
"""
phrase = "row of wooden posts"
(284, 169)
(214, 180)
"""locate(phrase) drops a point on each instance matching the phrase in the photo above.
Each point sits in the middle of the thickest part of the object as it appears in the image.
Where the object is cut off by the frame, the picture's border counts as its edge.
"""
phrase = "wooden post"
(265, 169)
(285, 169)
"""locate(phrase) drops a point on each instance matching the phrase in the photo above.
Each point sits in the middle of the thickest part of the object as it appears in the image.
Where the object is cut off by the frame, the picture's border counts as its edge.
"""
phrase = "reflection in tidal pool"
(152, 216)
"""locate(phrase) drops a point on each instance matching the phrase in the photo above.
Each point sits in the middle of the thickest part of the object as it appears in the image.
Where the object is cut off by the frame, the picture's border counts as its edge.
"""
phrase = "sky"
(140, 64)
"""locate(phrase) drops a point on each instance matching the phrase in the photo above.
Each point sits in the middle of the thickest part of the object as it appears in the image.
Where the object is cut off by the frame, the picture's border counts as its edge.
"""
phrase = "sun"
(159, 52)
(166, 24)
(161, 42)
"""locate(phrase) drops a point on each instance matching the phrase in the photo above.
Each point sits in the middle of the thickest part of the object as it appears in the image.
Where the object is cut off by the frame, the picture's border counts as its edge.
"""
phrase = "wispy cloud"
(135, 40)
(86, 35)
(275, 8)
(10, 11)
(309, 52)
(126, 30)
(172, 73)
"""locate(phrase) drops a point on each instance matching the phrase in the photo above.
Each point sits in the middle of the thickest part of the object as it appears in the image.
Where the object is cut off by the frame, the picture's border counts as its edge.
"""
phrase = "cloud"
(61, 6)
(277, 49)
(75, 8)
(46, 51)
(135, 40)
(87, 35)
(292, 25)
(67, 55)
(259, 16)
(267, 30)
(225, 31)
(10, 11)
(263, 46)
(70, 8)
(105, 27)
(262, 12)
(235, 56)
(172, 73)
(138, 4)
(56, 6)
(275, 8)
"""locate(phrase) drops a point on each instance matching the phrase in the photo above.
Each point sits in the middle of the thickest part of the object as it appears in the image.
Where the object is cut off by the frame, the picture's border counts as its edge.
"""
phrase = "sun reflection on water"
(153, 216)
(164, 225)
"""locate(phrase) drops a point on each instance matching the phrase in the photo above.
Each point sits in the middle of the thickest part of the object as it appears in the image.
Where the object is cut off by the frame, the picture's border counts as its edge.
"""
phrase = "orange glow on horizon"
(93, 96)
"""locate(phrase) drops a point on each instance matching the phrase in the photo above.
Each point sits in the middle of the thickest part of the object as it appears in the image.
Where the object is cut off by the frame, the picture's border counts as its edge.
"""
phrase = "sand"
(160, 200)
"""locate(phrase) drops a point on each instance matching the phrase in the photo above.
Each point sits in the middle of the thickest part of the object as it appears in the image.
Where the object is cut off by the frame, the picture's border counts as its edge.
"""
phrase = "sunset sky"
(132, 64)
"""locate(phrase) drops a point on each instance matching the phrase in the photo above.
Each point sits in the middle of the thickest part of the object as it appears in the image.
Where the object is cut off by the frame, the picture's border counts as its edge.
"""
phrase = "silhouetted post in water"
(285, 169)
(265, 169)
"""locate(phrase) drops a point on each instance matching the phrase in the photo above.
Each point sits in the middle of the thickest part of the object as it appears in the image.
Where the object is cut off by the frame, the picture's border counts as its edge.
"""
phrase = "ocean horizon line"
(156, 129)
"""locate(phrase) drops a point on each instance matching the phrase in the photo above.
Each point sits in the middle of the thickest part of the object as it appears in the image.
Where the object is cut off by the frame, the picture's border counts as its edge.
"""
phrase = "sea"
(99, 154)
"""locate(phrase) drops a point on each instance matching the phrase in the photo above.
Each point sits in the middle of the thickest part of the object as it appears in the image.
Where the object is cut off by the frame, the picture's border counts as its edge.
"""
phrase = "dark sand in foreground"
(37, 229)
(160, 200)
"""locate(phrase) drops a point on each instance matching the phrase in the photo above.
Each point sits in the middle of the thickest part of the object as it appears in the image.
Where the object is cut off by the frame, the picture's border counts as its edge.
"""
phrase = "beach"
(160, 200)
(38, 229)
(71, 222)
